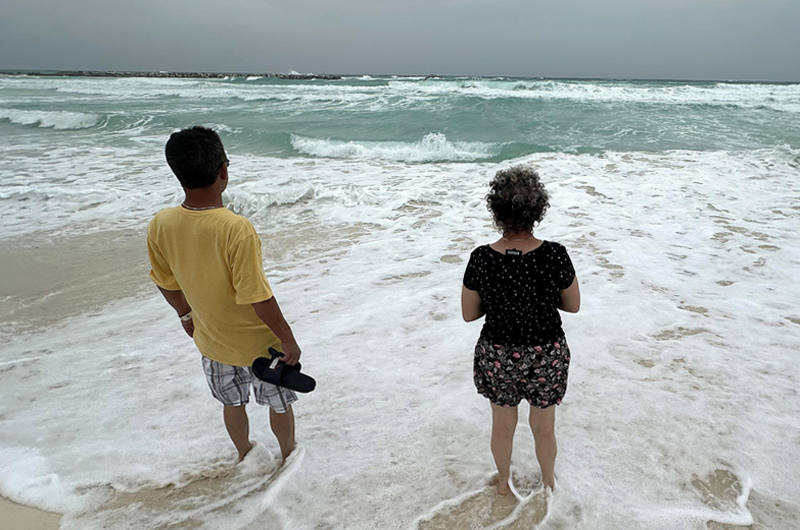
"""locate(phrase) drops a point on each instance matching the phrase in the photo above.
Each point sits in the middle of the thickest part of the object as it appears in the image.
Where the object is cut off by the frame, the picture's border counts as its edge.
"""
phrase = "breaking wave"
(51, 119)
(433, 147)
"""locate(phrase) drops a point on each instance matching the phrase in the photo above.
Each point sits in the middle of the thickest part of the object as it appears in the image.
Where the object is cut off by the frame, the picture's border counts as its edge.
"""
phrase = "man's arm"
(179, 303)
(270, 314)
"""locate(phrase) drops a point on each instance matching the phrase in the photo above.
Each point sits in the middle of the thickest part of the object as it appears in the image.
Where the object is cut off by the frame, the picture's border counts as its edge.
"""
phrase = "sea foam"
(778, 97)
(53, 119)
(433, 147)
(684, 364)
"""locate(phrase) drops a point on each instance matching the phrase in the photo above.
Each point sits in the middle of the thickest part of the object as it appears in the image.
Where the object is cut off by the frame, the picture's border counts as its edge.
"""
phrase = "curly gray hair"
(517, 199)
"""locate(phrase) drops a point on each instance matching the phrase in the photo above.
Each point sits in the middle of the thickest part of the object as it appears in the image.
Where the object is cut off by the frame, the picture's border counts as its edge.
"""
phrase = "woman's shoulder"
(482, 250)
(556, 253)
(553, 246)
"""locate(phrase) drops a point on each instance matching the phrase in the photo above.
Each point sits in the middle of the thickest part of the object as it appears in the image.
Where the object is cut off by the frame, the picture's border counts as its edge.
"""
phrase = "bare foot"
(503, 488)
(286, 451)
(551, 483)
(242, 455)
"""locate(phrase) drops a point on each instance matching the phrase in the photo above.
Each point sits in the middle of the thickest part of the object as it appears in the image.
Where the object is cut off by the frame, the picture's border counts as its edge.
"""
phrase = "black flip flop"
(279, 373)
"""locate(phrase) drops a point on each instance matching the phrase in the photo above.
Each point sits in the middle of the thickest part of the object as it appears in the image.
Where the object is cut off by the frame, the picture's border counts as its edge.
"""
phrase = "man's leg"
(283, 427)
(238, 427)
(504, 423)
(543, 423)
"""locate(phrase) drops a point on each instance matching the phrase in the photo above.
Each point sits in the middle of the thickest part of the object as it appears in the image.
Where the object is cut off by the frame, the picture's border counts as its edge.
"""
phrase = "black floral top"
(520, 293)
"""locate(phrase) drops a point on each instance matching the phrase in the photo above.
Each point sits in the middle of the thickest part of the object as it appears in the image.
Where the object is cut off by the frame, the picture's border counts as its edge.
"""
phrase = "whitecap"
(50, 118)
(433, 147)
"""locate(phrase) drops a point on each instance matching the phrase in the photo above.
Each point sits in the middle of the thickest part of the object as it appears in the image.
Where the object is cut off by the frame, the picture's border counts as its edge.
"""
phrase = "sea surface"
(679, 203)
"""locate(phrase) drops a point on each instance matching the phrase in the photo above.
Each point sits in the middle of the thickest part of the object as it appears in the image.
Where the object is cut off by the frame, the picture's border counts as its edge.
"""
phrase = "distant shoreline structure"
(333, 77)
(164, 74)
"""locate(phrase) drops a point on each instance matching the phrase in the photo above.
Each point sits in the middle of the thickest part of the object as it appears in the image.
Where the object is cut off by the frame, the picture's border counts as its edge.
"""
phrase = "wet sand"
(768, 514)
(18, 517)
(48, 277)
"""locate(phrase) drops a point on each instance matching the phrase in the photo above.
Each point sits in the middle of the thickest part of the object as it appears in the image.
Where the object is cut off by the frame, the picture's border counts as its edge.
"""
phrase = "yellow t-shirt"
(214, 257)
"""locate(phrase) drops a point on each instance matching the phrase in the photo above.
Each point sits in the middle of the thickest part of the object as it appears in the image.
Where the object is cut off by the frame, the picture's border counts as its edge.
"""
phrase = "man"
(206, 261)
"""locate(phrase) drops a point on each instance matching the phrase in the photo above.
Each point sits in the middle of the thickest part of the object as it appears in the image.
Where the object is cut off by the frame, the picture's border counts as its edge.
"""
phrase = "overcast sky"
(666, 39)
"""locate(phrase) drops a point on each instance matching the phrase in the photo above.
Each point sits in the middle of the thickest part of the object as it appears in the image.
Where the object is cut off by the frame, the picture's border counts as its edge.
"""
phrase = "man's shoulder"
(233, 225)
(161, 217)
(225, 223)
(236, 224)
(222, 217)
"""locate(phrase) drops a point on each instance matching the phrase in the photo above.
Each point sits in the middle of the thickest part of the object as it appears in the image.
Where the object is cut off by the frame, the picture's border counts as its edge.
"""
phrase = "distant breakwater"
(200, 75)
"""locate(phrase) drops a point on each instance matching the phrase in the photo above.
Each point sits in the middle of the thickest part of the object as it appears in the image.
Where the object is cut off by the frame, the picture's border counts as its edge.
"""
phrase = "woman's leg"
(504, 423)
(543, 422)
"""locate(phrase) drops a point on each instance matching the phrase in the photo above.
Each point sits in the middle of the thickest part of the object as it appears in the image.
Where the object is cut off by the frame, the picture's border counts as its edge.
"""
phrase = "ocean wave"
(785, 98)
(412, 89)
(50, 118)
(248, 203)
(120, 192)
(434, 147)
(246, 90)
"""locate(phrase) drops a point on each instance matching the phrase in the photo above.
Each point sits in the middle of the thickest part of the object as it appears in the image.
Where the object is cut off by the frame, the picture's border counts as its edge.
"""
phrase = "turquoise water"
(412, 119)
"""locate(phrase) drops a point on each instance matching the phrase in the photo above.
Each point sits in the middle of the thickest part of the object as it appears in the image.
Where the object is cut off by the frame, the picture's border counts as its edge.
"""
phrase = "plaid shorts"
(230, 385)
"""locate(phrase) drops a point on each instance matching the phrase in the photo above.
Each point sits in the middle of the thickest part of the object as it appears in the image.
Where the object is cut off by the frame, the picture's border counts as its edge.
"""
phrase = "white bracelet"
(187, 317)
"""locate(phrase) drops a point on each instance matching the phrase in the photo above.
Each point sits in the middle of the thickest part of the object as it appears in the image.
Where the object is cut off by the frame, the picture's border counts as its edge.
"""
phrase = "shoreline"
(48, 276)
(20, 517)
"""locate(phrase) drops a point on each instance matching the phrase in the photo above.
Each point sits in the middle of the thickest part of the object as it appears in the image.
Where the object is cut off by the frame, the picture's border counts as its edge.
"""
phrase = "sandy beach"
(18, 517)
(50, 276)
(39, 291)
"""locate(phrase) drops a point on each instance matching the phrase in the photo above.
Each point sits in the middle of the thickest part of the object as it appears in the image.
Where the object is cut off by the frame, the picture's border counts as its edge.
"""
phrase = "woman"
(520, 282)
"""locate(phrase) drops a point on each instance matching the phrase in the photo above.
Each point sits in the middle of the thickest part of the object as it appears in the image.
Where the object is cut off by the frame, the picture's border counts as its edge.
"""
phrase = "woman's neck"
(518, 235)
(522, 241)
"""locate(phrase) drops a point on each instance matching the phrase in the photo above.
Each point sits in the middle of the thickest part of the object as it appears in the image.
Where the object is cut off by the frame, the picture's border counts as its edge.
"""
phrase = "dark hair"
(195, 155)
(517, 199)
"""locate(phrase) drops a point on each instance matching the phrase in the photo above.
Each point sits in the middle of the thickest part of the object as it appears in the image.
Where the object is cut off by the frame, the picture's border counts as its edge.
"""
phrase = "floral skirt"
(506, 375)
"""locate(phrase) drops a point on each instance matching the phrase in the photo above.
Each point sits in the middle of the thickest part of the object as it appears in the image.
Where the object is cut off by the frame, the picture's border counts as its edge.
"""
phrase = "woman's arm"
(571, 298)
(471, 308)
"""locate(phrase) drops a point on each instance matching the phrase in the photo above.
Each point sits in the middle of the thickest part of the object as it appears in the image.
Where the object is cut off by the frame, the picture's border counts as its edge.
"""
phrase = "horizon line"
(199, 74)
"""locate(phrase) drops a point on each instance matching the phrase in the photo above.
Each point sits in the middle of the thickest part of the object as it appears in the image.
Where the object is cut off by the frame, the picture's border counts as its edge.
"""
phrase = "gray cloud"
(686, 39)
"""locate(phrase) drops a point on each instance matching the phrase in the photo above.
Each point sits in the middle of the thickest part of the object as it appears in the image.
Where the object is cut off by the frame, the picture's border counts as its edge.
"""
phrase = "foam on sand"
(484, 508)
(216, 493)
(682, 392)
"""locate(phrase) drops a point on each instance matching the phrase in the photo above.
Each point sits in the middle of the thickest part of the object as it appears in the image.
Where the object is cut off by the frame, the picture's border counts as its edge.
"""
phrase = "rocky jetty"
(194, 75)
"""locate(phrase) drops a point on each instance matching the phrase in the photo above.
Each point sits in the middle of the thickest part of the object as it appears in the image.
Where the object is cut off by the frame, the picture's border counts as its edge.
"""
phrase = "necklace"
(200, 208)
(519, 238)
